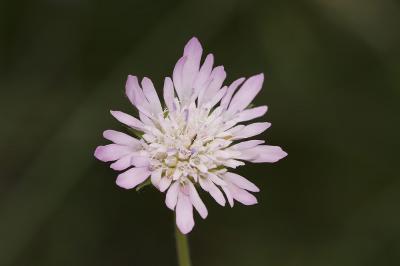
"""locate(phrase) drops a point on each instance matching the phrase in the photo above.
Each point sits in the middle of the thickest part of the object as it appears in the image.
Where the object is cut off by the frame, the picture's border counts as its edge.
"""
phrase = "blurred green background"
(332, 84)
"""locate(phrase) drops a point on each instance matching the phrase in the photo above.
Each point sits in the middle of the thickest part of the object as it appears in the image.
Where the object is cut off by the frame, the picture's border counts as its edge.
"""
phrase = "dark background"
(332, 85)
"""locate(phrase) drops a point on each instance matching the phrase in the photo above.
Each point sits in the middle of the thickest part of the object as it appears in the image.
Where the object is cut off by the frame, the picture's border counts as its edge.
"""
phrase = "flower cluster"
(193, 140)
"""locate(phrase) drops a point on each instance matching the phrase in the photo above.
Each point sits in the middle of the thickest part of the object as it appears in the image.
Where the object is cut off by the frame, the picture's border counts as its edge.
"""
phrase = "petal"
(218, 96)
(172, 195)
(131, 87)
(145, 119)
(164, 183)
(128, 120)
(247, 93)
(211, 188)
(184, 214)
(233, 163)
(217, 77)
(133, 177)
(216, 179)
(196, 201)
(268, 154)
(121, 138)
(136, 96)
(111, 152)
(251, 113)
(232, 131)
(156, 177)
(192, 51)
(242, 195)
(122, 163)
(204, 74)
(252, 130)
(231, 89)
(140, 161)
(169, 93)
(248, 155)
(228, 195)
(151, 95)
(225, 154)
(241, 182)
(177, 76)
(247, 144)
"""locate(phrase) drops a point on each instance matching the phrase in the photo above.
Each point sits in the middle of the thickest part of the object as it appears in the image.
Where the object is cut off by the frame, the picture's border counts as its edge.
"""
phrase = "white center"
(188, 143)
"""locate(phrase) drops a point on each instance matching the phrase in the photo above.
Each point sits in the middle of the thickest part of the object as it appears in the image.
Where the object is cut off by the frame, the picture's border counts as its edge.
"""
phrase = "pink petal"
(252, 130)
(216, 179)
(184, 214)
(204, 74)
(211, 188)
(111, 152)
(248, 155)
(233, 163)
(234, 130)
(169, 93)
(128, 120)
(242, 195)
(247, 93)
(172, 195)
(217, 77)
(164, 183)
(241, 182)
(251, 113)
(218, 96)
(151, 95)
(145, 119)
(122, 163)
(228, 195)
(192, 51)
(136, 96)
(156, 177)
(121, 138)
(177, 76)
(268, 154)
(140, 161)
(131, 86)
(133, 177)
(247, 144)
(196, 201)
(231, 89)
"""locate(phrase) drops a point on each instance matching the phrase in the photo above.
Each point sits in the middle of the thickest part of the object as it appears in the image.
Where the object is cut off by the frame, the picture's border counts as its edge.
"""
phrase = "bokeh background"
(332, 85)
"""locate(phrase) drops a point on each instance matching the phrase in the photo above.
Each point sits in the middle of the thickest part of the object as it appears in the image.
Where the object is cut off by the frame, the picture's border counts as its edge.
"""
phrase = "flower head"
(194, 140)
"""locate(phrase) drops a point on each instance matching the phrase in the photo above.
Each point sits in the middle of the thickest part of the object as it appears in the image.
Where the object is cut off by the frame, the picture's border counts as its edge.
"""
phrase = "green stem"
(182, 248)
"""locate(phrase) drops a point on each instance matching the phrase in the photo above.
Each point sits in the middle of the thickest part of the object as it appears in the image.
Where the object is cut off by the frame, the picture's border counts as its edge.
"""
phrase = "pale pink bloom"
(194, 139)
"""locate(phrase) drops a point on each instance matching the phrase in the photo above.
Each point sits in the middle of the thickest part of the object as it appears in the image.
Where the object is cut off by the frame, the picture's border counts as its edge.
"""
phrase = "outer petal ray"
(184, 214)
(133, 177)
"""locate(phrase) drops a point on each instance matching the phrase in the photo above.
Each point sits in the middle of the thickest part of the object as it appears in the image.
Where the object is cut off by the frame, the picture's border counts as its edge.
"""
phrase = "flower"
(194, 140)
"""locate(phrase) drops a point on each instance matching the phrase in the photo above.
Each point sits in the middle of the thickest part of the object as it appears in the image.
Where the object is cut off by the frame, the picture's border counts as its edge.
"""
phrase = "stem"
(182, 248)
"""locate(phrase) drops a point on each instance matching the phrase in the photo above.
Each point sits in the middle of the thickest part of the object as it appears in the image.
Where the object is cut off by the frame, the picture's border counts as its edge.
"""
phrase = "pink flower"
(194, 140)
